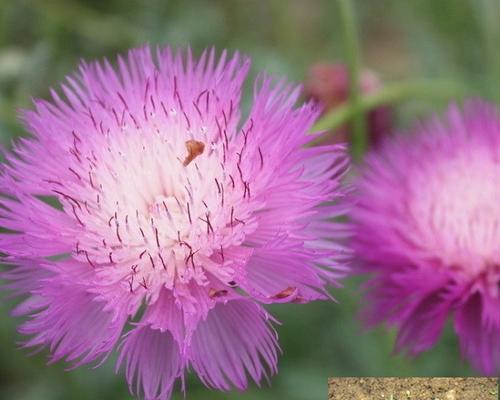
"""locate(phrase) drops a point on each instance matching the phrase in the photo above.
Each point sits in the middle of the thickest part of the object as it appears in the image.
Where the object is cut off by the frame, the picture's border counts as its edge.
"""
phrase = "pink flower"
(170, 213)
(428, 230)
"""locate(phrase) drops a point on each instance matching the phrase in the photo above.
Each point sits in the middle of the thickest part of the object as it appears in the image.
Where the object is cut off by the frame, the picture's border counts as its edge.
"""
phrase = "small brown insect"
(216, 293)
(284, 293)
(194, 149)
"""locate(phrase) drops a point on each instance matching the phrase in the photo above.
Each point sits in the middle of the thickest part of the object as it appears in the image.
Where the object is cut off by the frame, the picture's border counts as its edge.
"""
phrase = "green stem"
(488, 24)
(347, 18)
(390, 93)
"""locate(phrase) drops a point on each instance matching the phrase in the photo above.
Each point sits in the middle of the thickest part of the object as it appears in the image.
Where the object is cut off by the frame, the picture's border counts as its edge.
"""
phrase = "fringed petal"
(233, 341)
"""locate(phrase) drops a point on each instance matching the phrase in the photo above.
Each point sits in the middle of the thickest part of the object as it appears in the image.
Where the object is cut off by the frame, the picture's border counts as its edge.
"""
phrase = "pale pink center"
(456, 208)
(161, 210)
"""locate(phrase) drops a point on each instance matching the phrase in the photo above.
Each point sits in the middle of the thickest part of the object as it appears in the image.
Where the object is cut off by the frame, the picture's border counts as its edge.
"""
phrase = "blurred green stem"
(390, 93)
(358, 138)
(488, 9)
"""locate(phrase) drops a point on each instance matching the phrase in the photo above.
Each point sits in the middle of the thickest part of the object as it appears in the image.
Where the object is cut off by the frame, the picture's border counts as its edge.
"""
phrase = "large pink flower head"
(174, 218)
(427, 225)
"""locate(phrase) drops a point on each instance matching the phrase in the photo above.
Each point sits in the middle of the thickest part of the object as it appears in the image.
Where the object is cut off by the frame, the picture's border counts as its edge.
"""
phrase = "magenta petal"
(269, 278)
(25, 276)
(166, 315)
(152, 362)
(73, 325)
(479, 341)
(235, 340)
(420, 330)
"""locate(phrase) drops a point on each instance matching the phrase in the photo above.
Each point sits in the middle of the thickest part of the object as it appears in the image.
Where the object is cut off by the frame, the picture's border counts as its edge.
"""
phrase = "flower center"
(161, 211)
(455, 206)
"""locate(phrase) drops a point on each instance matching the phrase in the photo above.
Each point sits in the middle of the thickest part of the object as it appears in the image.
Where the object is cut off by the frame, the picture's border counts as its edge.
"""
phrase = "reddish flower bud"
(329, 85)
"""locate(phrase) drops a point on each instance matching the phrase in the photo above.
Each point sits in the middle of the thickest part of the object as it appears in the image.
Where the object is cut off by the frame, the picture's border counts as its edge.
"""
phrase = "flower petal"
(24, 276)
(75, 326)
(269, 275)
(479, 342)
(234, 339)
(152, 362)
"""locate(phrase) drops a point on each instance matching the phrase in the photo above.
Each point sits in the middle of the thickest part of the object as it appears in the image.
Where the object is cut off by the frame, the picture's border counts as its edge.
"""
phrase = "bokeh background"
(457, 40)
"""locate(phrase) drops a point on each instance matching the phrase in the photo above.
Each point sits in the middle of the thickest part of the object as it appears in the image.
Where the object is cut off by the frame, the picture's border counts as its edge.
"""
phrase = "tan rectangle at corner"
(364, 388)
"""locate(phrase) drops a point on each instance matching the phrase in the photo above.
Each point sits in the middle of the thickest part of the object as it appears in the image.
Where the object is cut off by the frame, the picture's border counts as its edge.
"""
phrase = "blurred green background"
(42, 41)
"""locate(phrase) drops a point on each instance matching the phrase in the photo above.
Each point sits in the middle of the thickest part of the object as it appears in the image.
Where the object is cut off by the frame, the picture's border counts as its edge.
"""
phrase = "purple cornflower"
(171, 213)
(427, 227)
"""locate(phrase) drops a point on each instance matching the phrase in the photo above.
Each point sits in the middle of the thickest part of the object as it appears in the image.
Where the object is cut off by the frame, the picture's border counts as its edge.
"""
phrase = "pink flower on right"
(427, 230)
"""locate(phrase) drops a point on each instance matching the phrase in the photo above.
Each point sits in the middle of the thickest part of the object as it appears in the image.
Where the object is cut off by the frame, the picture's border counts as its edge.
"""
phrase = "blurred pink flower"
(328, 83)
(173, 214)
(427, 227)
